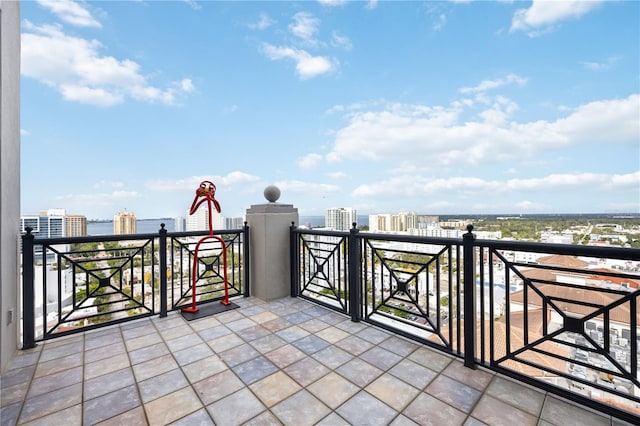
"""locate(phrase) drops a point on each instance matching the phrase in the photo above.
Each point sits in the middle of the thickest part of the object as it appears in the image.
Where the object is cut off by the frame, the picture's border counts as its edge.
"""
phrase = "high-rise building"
(124, 223)
(49, 224)
(179, 224)
(401, 222)
(341, 219)
(76, 225)
(199, 220)
(233, 222)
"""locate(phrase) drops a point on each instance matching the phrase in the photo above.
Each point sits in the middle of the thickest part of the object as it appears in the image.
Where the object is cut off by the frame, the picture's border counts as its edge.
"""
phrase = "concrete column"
(269, 246)
(9, 178)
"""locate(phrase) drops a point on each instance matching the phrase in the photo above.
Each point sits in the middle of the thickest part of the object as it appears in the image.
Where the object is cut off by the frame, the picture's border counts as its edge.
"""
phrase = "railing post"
(28, 296)
(163, 271)
(469, 298)
(355, 258)
(294, 260)
(246, 260)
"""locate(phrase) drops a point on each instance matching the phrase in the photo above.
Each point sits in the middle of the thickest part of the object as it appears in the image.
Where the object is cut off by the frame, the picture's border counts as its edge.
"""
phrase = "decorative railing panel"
(209, 272)
(83, 283)
(412, 287)
(322, 269)
(80, 283)
(563, 318)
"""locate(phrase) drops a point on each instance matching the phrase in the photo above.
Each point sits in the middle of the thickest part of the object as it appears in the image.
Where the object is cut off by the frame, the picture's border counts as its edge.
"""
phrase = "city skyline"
(434, 107)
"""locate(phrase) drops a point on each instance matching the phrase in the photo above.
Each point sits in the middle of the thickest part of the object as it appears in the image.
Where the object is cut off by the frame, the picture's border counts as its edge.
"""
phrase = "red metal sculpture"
(206, 192)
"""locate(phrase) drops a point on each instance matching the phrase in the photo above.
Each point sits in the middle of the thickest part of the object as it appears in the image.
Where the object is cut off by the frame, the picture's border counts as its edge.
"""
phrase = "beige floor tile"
(392, 391)
(285, 355)
(218, 386)
(104, 366)
(236, 408)
(333, 389)
(427, 410)
(559, 412)
(71, 416)
(495, 412)
(134, 417)
(173, 406)
(154, 367)
(204, 368)
(274, 388)
(332, 334)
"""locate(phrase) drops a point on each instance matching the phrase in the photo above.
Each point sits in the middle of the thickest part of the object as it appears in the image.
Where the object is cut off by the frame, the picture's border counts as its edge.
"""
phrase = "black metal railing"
(80, 283)
(551, 315)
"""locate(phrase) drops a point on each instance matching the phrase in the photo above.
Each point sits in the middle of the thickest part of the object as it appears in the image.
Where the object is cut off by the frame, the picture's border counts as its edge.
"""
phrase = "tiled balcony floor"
(285, 362)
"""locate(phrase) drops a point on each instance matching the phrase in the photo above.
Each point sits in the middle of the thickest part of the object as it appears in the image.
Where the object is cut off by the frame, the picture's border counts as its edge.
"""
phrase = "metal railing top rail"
(125, 237)
(609, 252)
(618, 253)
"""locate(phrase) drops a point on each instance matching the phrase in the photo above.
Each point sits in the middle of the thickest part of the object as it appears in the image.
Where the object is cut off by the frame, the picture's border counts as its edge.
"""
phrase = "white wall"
(9, 176)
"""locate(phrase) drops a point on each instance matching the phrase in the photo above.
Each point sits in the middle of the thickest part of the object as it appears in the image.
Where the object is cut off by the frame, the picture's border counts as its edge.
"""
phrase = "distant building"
(179, 224)
(340, 219)
(76, 225)
(233, 222)
(124, 223)
(49, 224)
(401, 222)
(199, 220)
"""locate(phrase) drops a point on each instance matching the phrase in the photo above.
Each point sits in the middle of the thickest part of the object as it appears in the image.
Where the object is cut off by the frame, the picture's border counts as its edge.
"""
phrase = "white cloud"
(305, 26)
(193, 4)
(310, 161)
(74, 67)
(341, 41)
(307, 188)
(338, 175)
(371, 4)
(95, 199)
(416, 186)
(24, 132)
(191, 183)
(332, 3)
(486, 85)
(542, 15)
(442, 21)
(107, 184)
(407, 134)
(529, 206)
(74, 13)
(307, 66)
(263, 23)
(601, 66)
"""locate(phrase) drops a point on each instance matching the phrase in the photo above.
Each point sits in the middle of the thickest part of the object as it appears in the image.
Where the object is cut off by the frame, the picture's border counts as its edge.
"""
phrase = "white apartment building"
(340, 219)
(199, 220)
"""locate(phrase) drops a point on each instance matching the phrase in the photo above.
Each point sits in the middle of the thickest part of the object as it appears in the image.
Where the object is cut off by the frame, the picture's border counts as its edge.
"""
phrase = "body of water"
(150, 226)
(145, 226)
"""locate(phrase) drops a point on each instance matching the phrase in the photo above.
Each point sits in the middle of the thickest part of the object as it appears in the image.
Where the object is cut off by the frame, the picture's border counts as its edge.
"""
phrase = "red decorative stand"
(206, 192)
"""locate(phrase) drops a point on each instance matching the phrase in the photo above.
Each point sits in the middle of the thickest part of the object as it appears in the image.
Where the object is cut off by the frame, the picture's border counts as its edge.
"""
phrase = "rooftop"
(287, 362)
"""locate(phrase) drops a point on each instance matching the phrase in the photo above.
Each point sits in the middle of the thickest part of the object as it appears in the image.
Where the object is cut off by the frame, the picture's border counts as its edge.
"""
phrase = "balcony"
(374, 332)
(288, 361)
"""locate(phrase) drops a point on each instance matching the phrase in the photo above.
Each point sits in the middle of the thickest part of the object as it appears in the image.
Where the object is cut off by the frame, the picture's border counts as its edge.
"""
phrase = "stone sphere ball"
(272, 193)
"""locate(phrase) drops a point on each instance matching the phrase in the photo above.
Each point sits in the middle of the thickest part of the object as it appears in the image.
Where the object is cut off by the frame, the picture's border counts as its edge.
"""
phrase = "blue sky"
(434, 107)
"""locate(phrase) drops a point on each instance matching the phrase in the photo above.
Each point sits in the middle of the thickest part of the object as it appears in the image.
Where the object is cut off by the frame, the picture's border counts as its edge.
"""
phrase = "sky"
(452, 107)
